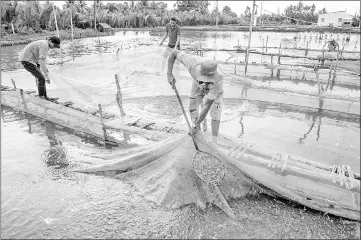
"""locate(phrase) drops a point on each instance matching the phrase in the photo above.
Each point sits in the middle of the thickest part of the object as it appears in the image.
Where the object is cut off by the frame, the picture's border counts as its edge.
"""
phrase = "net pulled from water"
(165, 173)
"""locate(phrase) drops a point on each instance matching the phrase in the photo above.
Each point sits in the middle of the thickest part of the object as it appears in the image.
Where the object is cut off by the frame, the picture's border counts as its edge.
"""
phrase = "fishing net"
(164, 173)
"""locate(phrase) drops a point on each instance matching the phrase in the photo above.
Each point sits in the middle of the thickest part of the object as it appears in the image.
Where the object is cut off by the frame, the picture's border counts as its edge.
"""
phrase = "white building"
(336, 19)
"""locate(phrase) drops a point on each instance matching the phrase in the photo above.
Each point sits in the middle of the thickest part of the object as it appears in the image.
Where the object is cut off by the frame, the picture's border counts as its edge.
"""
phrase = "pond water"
(42, 199)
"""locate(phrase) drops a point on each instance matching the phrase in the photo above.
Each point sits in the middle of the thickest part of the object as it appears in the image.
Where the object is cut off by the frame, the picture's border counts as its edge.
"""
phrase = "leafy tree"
(302, 12)
(323, 11)
(111, 7)
(193, 6)
(356, 20)
(226, 10)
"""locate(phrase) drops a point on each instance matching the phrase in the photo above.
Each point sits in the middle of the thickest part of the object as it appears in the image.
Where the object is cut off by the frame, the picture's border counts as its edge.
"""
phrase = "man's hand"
(194, 129)
(47, 79)
(171, 79)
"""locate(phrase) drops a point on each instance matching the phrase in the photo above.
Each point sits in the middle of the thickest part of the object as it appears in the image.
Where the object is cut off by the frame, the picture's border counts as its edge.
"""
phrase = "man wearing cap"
(33, 56)
(207, 83)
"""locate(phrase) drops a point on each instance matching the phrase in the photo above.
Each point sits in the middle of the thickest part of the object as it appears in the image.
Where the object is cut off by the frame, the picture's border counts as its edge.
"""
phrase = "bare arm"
(178, 40)
(164, 37)
(43, 67)
(207, 105)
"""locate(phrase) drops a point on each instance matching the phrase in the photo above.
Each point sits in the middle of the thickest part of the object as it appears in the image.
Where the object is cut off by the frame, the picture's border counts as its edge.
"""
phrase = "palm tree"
(45, 14)
(81, 6)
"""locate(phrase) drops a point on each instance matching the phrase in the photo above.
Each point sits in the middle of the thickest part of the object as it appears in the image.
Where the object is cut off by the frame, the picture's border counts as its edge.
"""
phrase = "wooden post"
(56, 22)
(343, 47)
(12, 27)
(272, 66)
(318, 82)
(262, 44)
(250, 35)
(102, 122)
(12, 80)
(71, 25)
(95, 21)
(279, 60)
(119, 96)
(306, 49)
(266, 43)
(260, 20)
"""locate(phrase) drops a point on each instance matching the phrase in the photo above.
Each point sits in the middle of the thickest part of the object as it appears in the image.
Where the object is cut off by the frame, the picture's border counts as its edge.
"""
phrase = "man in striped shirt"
(33, 58)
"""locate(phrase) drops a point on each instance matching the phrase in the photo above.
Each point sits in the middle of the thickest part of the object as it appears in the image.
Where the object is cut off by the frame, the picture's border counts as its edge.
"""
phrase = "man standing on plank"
(173, 31)
(33, 58)
(207, 83)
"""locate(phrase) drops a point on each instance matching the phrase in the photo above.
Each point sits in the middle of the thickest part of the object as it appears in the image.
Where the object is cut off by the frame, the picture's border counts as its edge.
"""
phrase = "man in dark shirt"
(173, 31)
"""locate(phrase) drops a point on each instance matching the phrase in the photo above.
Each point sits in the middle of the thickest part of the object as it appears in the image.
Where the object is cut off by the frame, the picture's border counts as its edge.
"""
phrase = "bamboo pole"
(12, 80)
(102, 122)
(56, 22)
(272, 64)
(119, 96)
(250, 35)
(12, 27)
(279, 60)
(261, 23)
(95, 21)
(266, 43)
(71, 25)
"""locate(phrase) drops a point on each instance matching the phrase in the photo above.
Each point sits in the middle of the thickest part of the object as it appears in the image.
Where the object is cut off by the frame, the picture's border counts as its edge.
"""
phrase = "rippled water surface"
(42, 199)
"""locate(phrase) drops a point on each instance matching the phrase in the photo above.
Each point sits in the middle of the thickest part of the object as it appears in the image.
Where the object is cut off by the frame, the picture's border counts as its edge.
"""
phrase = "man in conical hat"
(207, 84)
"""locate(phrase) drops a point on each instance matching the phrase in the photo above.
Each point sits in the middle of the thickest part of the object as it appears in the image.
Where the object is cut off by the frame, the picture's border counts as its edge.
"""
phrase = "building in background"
(336, 19)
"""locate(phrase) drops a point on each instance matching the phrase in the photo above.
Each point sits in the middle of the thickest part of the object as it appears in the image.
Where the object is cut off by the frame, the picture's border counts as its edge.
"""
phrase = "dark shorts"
(36, 72)
(172, 46)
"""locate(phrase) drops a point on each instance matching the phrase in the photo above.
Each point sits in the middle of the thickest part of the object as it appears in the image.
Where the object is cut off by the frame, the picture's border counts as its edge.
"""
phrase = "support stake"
(119, 96)
(250, 35)
(12, 80)
(266, 43)
(279, 60)
(102, 121)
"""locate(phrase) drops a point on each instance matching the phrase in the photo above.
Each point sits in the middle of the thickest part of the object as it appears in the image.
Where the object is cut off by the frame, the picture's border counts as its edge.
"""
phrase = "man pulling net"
(207, 85)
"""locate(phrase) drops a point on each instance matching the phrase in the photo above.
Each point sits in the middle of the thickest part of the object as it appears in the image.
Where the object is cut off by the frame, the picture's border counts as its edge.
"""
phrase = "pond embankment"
(15, 39)
(287, 28)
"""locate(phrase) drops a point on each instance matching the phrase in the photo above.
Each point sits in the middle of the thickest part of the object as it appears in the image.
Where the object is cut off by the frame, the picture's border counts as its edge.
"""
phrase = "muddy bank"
(16, 39)
(232, 28)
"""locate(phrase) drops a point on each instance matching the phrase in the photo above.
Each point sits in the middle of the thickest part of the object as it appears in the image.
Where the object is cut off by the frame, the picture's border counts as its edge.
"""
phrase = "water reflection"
(315, 114)
(56, 155)
(314, 117)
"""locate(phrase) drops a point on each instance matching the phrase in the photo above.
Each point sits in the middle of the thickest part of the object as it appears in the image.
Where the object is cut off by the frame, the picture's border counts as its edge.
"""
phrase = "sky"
(238, 7)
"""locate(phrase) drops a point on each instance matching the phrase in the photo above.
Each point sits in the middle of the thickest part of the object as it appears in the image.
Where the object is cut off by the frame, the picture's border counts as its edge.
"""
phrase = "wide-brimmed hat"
(208, 71)
(56, 41)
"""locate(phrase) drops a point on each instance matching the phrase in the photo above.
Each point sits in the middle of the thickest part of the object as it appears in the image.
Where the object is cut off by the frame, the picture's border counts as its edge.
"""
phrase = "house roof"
(104, 25)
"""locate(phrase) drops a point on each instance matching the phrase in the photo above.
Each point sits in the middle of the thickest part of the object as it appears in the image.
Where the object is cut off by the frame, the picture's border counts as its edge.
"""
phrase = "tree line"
(35, 16)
